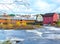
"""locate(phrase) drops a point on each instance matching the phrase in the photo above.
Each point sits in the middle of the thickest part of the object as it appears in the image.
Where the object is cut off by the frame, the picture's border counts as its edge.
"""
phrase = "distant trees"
(11, 14)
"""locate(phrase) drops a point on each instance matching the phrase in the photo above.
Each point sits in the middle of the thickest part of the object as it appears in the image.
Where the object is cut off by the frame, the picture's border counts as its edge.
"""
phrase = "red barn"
(50, 18)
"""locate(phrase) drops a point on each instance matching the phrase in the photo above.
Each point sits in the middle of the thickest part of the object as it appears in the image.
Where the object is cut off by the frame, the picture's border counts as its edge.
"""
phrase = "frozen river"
(45, 35)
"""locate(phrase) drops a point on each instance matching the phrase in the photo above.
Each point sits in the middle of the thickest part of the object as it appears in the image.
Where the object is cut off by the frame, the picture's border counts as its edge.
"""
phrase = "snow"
(32, 36)
(52, 28)
(35, 31)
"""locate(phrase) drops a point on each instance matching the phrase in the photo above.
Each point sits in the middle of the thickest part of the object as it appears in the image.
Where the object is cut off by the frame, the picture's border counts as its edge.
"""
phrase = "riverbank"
(27, 27)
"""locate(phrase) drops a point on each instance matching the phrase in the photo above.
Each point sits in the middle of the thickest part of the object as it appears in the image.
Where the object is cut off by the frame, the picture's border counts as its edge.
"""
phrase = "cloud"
(37, 6)
(56, 1)
(57, 10)
(43, 6)
(6, 1)
(13, 7)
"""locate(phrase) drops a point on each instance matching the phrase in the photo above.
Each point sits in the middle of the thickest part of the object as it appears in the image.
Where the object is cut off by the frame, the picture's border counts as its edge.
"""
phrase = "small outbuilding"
(39, 19)
(50, 18)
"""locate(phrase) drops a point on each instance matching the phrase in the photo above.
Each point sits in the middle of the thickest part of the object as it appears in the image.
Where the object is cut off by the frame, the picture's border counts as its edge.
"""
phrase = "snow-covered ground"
(45, 35)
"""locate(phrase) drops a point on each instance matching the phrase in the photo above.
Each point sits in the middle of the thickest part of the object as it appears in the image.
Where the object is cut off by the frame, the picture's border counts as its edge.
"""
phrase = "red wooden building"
(50, 18)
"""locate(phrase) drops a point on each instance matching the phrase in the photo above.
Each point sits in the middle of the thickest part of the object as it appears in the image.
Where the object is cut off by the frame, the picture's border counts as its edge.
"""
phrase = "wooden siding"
(55, 17)
(47, 20)
(50, 19)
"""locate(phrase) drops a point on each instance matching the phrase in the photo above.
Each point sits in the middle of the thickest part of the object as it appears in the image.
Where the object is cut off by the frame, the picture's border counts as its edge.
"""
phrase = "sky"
(29, 6)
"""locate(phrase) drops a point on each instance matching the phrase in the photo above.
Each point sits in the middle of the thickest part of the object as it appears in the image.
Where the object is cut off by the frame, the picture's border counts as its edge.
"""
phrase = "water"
(46, 35)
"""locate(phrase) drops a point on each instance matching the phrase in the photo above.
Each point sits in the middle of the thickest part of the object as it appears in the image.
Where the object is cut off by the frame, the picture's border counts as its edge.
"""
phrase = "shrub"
(7, 42)
(58, 23)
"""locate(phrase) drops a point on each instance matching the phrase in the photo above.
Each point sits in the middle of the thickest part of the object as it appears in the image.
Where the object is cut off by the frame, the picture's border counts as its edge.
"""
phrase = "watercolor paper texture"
(29, 21)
